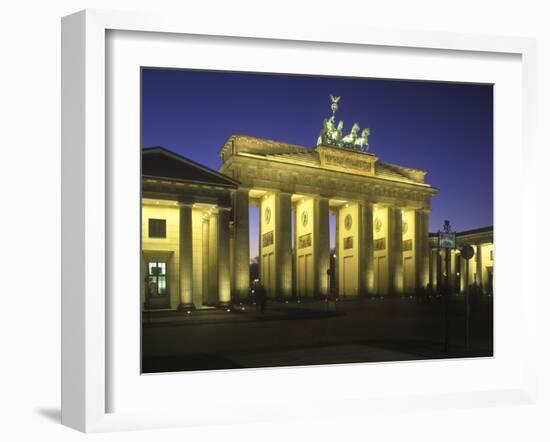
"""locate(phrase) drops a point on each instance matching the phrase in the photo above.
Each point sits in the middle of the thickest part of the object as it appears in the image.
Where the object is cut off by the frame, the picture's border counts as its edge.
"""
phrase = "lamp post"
(447, 241)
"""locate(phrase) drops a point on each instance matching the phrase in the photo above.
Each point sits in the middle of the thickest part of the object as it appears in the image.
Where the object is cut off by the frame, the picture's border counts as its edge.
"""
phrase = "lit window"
(156, 279)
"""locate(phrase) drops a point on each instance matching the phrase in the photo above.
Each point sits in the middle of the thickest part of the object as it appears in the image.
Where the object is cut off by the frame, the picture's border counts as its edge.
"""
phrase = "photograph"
(301, 220)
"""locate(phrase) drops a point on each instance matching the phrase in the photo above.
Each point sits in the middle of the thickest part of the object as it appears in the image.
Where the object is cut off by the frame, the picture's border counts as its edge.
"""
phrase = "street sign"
(467, 252)
(447, 240)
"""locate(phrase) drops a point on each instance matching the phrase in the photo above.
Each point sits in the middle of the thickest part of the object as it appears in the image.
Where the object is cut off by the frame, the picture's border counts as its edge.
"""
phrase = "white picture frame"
(87, 319)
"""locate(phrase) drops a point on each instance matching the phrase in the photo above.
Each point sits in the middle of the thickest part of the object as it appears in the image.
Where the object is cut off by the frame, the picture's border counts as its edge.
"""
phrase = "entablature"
(258, 173)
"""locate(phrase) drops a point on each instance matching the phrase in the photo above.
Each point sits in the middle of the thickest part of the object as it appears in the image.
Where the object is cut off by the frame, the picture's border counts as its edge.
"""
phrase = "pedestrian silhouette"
(261, 297)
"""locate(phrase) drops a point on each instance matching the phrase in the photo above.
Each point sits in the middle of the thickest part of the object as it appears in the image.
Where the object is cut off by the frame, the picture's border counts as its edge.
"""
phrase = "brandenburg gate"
(381, 213)
(199, 226)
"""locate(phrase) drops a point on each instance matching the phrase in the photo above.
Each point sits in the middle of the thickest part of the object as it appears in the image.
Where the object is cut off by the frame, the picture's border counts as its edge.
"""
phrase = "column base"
(186, 307)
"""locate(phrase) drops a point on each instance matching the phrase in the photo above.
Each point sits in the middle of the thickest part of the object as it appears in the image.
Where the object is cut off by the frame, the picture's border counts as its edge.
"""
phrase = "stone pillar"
(337, 252)
(453, 269)
(463, 268)
(259, 240)
(241, 241)
(295, 258)
(232, 257)
(440, 281)
(421, 243)
(213, 286)
(395, 249)
(366, 250)
(321, 248)
(479, 268)
(186, 256)
(433, 280)
(205, 260)
(283, 245)
(224, 277)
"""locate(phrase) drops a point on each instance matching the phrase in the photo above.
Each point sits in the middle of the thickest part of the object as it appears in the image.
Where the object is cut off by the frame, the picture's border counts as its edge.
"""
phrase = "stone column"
(421, 238)
(463, 269)
(337, 252)
(224, 277)
(186, 256)
(395, 249)
(321, 249)
(241, 241)
(283, 245)
(453, 269)
(366, 249)
(260, 240)
(434, 268)
(440, 281)
(295, 258)
(479, 267)
(213, 286)
(205, 260)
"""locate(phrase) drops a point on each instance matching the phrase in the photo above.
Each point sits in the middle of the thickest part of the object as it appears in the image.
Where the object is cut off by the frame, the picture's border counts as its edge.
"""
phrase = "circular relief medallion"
(267, 215)
(405, 227)
(377, 224)
(304, 218)
(348, 221)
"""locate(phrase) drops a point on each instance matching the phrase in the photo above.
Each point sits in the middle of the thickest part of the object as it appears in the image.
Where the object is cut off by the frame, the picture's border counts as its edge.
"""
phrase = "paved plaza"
(314, 332)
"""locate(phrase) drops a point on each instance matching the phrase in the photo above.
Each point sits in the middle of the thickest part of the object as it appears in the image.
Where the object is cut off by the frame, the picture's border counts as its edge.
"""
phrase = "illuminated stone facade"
(480, 266)
(381, 213)
(196, 227)
(187, 233)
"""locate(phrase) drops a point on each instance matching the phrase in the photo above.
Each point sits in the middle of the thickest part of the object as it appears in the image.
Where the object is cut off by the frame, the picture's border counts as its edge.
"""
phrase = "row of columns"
(217, 280)
(283, 282)
(457, 272)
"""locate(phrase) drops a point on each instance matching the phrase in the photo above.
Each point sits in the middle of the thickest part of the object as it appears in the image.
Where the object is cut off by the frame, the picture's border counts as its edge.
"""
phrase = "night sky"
(444, 128)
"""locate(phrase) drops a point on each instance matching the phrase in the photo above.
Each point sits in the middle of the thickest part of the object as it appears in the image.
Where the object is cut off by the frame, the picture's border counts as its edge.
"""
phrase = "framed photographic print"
(249, 214)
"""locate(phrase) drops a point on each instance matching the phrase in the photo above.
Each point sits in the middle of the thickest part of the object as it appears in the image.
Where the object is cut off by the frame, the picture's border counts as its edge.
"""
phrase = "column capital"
(185, 204)
(284, 192)
(398, 206)
(367, 203)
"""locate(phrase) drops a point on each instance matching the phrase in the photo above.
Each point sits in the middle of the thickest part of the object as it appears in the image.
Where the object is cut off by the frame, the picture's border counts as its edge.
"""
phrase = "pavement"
(313, 332)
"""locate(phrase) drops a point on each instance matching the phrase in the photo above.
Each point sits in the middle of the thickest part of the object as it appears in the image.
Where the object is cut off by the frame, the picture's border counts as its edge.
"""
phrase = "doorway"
(156, 287)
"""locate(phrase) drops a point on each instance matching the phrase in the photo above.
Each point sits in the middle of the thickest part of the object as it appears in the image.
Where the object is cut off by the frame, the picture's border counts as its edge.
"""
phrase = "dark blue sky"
(444, 128)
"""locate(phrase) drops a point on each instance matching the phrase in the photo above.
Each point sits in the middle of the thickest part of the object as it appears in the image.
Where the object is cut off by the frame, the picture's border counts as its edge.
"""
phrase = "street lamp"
(447, 241)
